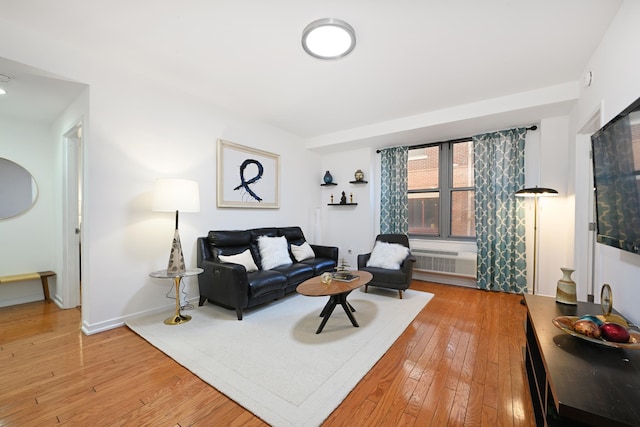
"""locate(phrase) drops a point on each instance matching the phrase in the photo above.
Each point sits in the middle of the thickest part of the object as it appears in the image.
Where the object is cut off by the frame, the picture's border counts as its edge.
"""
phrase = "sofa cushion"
(229, 238)
(265, 281)
(273, 252)
(294, 235)
(302, 252)
(243, 258)
(387, 255)
(386, 276)
(295, 273)
(320, 265)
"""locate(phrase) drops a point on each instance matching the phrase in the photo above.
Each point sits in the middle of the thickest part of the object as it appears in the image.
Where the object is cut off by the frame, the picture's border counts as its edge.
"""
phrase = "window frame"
(445, 189)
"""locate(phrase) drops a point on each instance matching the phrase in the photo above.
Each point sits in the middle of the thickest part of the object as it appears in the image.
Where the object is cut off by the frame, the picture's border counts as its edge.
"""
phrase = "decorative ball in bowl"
(596, 330)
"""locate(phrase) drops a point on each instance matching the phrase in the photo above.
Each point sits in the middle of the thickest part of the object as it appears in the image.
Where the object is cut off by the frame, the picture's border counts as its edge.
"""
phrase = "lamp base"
(177, 319)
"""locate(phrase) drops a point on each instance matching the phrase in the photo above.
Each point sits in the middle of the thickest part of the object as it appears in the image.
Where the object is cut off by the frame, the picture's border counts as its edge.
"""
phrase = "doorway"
(585, 231)
(71, 291)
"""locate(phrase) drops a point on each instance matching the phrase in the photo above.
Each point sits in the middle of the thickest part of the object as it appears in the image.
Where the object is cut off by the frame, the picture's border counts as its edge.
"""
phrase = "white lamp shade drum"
(176, 195)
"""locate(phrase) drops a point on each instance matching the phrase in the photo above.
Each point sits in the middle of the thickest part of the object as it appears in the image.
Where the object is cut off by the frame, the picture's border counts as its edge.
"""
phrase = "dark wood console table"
(575, 382)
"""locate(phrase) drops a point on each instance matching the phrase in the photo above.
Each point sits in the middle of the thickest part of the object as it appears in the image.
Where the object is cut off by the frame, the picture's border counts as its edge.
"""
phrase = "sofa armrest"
(224, 283)
(330, 252)
(362, 260)
(407, 266)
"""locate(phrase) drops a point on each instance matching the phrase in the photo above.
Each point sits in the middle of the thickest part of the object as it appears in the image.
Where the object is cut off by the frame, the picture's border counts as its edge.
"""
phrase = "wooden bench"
(42, 275)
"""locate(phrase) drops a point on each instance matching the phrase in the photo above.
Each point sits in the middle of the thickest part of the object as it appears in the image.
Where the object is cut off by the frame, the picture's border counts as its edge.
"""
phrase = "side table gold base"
(177, 319)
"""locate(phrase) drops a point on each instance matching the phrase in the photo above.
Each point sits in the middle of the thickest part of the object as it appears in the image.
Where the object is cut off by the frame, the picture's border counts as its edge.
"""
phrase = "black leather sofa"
(231, 286)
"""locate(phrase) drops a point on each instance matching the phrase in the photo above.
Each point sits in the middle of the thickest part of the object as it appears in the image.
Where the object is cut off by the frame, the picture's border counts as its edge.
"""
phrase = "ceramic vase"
(328, 179)
(566, 290)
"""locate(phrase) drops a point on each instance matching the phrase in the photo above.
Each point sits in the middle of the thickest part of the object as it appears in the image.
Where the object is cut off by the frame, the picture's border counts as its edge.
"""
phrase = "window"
(441, 190)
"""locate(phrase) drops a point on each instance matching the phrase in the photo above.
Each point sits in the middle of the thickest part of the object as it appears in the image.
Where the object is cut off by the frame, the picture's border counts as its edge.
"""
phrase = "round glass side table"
(178, 317)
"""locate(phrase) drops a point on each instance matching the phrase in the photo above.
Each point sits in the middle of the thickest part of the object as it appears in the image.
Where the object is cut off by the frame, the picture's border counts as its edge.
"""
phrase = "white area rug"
(273, 363)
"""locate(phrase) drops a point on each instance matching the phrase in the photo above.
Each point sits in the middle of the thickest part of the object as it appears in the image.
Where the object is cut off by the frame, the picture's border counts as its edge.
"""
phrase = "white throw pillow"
(302, 252)
(387, 255)
(243, 258)
(273, 252)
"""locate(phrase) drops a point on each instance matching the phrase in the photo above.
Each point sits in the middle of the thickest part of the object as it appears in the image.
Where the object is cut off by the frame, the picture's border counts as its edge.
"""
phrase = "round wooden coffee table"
(337, 292)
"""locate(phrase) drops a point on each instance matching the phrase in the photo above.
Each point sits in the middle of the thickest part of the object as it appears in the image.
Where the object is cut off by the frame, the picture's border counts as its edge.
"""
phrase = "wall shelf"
(358, 182)
(342, 204)
(327, 184)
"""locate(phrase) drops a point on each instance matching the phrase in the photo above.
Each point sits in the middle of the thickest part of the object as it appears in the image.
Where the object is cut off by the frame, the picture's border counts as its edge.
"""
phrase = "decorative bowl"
(565, 324)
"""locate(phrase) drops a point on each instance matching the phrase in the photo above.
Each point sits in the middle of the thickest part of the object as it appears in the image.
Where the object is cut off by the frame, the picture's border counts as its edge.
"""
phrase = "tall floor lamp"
(176, 195)
(535, 192)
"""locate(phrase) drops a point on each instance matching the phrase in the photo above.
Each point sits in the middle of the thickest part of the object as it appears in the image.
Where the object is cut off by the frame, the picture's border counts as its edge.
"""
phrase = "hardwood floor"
(459, 363)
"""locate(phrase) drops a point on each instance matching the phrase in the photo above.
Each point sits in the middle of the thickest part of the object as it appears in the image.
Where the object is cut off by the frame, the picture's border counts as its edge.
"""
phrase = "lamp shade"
(172, 195)
(536, 191)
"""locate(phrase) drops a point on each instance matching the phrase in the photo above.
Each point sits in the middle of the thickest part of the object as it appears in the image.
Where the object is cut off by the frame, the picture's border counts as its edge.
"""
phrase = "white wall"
(351, 228)
(615, 66)
(28, 239)
(139, 133)
(555, 214)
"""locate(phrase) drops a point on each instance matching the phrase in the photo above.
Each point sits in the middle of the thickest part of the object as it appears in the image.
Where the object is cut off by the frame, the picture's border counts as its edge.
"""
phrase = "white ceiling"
(411, 58)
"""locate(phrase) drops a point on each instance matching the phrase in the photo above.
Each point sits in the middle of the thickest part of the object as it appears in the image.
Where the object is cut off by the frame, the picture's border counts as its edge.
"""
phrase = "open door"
(71, 277)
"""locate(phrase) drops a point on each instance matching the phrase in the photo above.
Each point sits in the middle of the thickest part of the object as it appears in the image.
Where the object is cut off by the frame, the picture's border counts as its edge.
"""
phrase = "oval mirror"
(18, 189)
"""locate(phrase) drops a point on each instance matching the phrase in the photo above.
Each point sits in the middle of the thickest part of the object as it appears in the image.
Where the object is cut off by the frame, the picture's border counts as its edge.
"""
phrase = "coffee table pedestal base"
(334, 300)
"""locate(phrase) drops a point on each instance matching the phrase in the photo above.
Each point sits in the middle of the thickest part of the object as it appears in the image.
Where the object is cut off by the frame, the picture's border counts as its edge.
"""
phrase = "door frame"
(72, 251)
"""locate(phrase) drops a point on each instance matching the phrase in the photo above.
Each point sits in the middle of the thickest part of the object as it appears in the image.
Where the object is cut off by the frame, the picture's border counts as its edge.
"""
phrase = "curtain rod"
(534, 127)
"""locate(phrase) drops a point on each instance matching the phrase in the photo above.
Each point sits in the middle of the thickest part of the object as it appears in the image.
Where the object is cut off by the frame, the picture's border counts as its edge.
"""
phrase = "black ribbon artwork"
(245, 184)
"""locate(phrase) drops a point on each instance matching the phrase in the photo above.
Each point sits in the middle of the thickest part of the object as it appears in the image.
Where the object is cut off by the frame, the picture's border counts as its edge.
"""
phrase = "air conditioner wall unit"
(456, 263)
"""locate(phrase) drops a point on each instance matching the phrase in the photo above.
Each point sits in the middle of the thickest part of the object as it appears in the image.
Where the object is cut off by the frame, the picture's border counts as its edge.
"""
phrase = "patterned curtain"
(500, 227)
(394, 201)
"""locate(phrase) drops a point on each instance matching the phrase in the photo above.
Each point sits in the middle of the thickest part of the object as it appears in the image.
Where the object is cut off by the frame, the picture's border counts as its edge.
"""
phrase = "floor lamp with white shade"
(535, 192)
(174, 195)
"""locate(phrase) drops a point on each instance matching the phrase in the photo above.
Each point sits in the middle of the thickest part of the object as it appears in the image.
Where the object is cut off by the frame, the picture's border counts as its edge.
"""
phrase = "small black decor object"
(343, 199)
(328, 179)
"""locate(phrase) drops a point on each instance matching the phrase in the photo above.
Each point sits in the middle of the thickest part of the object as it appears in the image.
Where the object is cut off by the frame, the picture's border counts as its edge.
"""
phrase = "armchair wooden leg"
(400, 293)
(366, 287)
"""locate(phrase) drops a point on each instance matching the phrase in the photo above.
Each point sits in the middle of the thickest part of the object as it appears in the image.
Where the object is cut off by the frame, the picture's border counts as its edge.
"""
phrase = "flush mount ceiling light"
(328, 38)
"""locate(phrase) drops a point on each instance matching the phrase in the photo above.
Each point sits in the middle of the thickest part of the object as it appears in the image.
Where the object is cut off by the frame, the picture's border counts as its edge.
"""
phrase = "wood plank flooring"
(459, 363)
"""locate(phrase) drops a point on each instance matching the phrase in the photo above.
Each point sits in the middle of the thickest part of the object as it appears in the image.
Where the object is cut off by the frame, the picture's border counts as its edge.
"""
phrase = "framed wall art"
(247, 178)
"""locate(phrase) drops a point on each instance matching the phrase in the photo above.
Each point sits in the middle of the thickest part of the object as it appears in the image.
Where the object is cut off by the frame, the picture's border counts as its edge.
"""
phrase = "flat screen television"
(616, 175)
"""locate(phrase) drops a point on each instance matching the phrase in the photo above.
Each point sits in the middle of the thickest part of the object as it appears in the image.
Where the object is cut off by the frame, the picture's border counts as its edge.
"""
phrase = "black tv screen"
(616, 174)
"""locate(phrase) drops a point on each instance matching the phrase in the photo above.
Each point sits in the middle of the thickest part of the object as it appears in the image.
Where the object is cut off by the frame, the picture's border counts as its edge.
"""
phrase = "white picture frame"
(247, 177)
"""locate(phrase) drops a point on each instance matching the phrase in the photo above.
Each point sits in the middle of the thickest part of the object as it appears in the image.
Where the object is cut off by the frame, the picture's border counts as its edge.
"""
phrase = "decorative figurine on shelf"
(350, 197)
(331, 197)
(328, 179)
(343, 199)
(359, 175)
